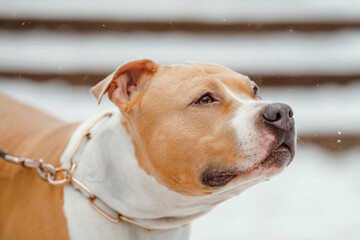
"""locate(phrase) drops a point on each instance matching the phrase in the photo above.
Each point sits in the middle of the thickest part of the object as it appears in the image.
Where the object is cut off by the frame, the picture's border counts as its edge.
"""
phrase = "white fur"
(252, 140)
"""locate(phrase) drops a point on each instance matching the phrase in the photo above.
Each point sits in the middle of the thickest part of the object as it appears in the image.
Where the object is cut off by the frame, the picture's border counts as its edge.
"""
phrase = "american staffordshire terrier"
(182, 139)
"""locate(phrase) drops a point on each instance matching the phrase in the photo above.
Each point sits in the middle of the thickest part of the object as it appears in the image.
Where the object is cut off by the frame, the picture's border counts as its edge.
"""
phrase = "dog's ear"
(121, 83)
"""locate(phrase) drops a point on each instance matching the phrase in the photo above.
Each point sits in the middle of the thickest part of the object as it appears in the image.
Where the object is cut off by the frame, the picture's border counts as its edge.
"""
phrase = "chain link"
(45, 170)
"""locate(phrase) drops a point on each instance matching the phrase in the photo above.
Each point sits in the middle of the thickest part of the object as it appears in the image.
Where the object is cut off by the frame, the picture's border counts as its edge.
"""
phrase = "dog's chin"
(274, 163)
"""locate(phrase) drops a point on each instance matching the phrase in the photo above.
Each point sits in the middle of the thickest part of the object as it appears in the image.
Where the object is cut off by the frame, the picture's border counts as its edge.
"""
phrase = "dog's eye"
(255, 89)
(205, 99)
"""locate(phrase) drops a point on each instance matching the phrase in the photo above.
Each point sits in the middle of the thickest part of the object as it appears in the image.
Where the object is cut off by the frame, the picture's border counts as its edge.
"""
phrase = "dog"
(182, 139)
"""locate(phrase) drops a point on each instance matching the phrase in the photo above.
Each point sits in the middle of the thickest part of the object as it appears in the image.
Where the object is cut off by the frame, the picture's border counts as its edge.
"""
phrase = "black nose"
(279, 115)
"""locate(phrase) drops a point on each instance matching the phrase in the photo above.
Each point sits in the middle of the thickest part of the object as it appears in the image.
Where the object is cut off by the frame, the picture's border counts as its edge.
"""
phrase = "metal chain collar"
(51, 174)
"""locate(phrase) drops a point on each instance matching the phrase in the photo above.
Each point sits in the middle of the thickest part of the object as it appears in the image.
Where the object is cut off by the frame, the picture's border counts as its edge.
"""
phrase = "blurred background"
(304, 53)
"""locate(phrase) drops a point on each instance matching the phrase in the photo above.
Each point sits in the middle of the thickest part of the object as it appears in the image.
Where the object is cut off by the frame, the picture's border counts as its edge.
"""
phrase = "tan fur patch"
(30, 208)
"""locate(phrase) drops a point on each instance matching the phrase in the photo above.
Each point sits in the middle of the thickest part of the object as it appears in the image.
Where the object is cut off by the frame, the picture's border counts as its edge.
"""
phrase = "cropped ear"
(123, 81)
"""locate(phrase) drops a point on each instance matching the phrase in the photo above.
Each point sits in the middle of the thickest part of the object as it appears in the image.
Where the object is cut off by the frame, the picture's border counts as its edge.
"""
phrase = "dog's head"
(200, 128)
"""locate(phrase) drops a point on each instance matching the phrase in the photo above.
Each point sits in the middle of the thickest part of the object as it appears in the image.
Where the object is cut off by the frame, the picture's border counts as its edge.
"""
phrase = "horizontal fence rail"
(84, 78)
(91, 25)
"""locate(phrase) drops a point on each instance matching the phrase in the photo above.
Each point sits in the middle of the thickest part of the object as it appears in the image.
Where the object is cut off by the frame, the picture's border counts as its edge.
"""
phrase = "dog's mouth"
(279, 157)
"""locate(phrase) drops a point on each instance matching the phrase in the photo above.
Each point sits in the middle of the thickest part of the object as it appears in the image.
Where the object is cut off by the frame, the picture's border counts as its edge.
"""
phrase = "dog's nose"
(279, 115)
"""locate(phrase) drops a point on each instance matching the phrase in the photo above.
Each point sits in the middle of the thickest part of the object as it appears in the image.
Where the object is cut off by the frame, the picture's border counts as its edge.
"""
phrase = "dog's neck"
(108, 166)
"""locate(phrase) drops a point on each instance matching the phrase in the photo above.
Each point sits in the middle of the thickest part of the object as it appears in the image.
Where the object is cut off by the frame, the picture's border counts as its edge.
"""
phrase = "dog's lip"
(283, 148)
(216, 178)
(278, 157)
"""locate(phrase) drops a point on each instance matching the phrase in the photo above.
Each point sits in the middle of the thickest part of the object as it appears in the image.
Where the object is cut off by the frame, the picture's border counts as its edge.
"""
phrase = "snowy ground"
(317, 197)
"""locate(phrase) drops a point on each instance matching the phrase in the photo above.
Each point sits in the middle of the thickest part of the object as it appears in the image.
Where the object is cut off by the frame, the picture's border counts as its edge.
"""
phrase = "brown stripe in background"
(194, 27)
(275, 80)
(331, 143)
